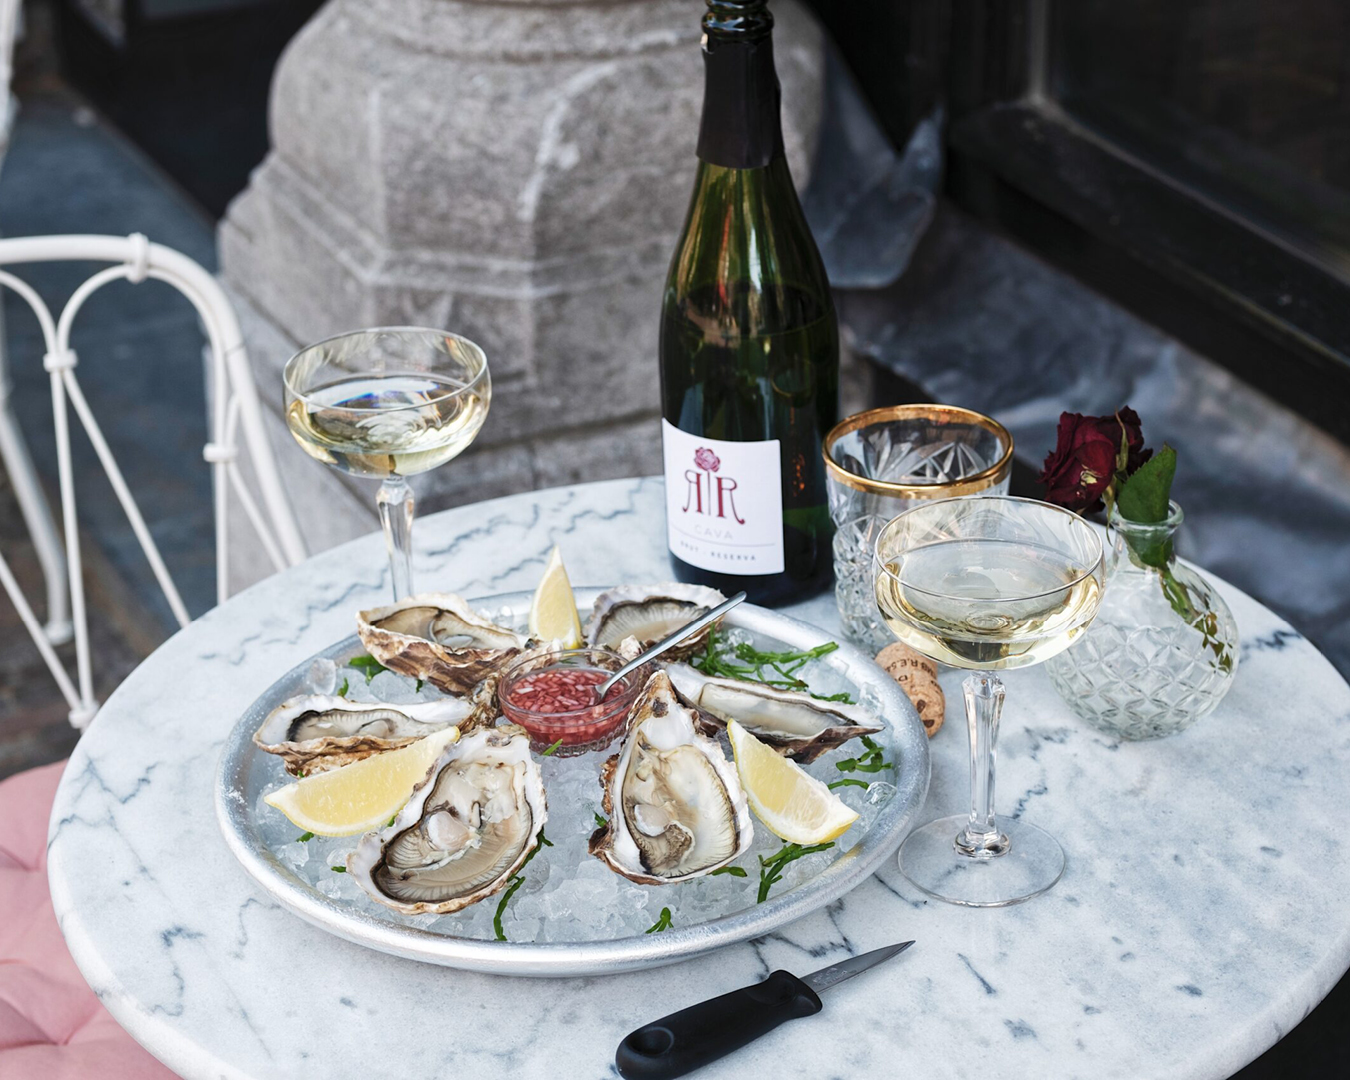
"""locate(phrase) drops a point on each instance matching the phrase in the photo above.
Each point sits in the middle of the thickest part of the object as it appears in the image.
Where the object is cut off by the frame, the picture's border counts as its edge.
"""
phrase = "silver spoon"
(673, 638)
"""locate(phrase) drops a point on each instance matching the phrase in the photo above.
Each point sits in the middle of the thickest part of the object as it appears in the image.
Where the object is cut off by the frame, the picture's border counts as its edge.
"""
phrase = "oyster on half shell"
(793, 723)
(437, 637)
(648, 613)
(674, 802)
(317, 732)
(467, 828)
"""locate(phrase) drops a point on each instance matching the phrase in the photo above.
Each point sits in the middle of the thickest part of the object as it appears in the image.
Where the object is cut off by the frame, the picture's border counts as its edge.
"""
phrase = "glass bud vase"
(1163, 649)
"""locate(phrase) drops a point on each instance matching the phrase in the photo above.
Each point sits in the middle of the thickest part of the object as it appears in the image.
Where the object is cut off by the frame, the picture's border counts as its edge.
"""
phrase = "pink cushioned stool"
(52, 1027)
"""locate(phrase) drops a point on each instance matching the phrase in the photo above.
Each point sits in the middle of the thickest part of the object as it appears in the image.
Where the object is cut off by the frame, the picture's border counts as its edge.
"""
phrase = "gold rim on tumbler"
(951, 414)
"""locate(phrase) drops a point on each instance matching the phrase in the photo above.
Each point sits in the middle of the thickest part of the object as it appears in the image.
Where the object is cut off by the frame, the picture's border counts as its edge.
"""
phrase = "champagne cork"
(917, 676)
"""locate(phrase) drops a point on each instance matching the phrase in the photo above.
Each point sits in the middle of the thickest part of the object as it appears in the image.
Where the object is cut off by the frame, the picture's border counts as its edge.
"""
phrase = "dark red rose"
(1128, 419)
(1084, 462)
(705, 459)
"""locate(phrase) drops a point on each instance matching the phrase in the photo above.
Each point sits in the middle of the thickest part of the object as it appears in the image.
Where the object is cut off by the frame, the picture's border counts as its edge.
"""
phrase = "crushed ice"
(567, 894)
(322, 676)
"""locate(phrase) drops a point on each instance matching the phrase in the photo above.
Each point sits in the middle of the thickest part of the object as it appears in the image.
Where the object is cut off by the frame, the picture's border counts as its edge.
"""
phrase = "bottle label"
(724, 502)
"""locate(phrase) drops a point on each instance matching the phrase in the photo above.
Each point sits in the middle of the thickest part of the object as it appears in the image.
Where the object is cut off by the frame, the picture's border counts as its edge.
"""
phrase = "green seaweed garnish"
(771, 869)
(367, 665)
(719, 661)
(662, 924)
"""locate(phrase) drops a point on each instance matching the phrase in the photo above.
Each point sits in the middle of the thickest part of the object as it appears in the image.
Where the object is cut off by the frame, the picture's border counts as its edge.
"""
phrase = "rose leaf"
(1144, 496)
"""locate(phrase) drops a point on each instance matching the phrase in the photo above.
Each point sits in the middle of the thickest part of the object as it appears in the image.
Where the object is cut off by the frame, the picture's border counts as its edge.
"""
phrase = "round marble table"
(1201, 916)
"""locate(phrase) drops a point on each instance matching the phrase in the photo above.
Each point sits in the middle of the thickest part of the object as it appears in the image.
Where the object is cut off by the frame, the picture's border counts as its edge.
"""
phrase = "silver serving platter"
(244, 771)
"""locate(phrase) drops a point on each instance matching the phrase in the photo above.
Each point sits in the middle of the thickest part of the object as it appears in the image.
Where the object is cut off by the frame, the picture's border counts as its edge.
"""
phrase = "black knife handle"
(693, 1037)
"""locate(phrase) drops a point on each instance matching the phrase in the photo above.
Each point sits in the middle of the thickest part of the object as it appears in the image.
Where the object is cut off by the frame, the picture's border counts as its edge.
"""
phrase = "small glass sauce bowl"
(552, 696)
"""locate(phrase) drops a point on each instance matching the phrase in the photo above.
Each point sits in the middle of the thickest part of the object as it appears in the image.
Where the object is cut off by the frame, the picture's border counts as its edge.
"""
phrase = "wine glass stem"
(395, 501)
(981, 839)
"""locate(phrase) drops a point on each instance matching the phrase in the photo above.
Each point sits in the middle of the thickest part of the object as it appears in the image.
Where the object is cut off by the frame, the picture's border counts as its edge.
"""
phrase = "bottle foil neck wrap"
(741, 127)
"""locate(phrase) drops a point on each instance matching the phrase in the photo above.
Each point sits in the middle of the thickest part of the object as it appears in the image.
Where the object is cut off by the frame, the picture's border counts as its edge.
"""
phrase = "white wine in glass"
(388, 403)
(387, 425)
(986, 604)
(986, 584)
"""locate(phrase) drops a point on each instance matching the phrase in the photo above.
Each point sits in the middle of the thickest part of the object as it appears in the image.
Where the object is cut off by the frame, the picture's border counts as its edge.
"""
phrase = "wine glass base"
(1033, 863)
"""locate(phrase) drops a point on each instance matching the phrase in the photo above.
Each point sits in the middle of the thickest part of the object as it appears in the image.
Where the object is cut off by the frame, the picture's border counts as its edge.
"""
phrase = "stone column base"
(515, 172)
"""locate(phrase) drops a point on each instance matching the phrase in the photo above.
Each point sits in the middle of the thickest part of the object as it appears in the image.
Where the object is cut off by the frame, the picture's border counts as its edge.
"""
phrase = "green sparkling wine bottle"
(749, 342)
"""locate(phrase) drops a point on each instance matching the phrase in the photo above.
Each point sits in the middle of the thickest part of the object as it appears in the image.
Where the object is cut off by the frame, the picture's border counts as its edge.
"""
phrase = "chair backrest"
(233, 412)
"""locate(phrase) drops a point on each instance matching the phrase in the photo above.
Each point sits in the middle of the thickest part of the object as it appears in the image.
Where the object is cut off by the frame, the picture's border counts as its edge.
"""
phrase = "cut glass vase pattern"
(1163, 649)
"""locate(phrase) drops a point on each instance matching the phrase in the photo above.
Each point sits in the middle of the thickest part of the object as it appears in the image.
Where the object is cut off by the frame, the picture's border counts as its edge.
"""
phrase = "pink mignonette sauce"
(553, 698)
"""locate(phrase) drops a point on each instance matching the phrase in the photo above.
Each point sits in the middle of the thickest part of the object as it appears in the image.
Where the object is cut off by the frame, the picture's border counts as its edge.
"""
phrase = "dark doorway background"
(188, 86)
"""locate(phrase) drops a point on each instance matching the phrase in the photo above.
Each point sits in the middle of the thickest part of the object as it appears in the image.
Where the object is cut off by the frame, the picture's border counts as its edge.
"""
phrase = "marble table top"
(1201, 916)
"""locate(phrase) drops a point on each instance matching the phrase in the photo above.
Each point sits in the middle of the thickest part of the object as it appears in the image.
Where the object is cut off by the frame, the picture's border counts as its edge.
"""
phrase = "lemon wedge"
(792, 803)
(363, 795)
(553, 611)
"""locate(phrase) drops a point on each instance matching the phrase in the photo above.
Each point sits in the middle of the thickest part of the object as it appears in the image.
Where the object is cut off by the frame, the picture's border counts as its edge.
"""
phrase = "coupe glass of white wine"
(986, 584)
(388, 403)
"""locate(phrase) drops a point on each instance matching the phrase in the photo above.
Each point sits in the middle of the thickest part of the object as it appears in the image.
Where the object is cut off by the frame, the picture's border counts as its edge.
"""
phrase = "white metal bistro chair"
(233, 414)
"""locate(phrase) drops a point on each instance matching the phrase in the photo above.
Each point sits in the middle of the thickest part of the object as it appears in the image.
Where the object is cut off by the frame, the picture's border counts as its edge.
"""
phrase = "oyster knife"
(696, 1036)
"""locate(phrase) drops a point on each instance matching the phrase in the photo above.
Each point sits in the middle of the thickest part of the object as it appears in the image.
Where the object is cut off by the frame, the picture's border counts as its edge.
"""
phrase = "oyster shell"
(316, 732)
(675, 805)
(794, 724)
(439, 638)
(648, 613)
(468, 827)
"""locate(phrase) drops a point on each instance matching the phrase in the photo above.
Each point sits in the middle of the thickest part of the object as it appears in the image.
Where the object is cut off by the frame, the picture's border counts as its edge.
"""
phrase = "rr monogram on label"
(723, 487)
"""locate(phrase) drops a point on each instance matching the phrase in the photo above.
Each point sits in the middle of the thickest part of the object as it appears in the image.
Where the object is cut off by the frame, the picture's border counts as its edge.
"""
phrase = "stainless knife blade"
(854, 965)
